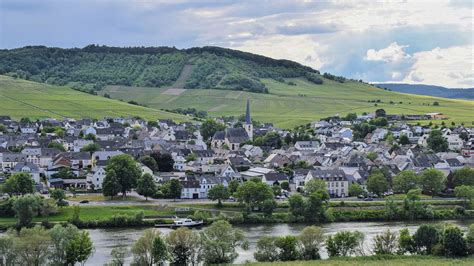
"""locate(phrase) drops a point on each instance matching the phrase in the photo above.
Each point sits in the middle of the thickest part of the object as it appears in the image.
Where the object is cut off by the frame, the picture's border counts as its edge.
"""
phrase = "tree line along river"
(106, 239)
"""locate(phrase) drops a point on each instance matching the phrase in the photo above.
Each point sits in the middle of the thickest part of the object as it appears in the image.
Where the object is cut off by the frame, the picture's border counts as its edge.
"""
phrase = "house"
(455, 143)
(10, 159)
(276, 160)
(204, 156)
(191, 189)
(78, 144)
(336, 180)
(255, 172)
(208, 182)
(104, 155)
(96, 177)
(378, 135)
(30, 168)
(274, 178)
(306, 145)
(345, 133)
(299, 176)
(436, 116)
(28, 128)
(234, 137)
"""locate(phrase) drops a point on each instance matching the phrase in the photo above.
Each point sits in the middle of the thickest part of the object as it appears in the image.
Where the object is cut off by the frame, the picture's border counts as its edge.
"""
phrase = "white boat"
(182, 222)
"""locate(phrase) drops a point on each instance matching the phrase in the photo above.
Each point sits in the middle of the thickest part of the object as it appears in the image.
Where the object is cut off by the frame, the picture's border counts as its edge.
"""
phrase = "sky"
(419, 42)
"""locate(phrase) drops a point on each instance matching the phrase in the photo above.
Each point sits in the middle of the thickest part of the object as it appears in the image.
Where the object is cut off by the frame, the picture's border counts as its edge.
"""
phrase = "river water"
(106, 239)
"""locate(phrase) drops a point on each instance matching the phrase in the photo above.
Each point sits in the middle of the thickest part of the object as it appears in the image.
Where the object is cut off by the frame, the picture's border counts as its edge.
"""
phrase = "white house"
(30, 168)
(96, 177)
(336, 180)
(455, 143)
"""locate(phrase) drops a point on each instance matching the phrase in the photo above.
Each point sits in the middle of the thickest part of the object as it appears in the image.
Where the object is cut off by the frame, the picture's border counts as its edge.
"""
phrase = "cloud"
(392, 53)
(453, 67)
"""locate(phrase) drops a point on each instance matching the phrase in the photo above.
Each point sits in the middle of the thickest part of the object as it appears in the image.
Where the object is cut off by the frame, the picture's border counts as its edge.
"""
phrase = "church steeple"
(248, 121)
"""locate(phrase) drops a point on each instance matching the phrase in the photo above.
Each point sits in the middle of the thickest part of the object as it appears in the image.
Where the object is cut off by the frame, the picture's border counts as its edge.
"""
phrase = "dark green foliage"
(146, 186)
(149, 162)
(271, 139)
(92, 67)
(210, 127)
(361, 130)
(425, 238)
(437, 142)
(343, 243)
(453, 242)
(404, 140)
(218, 192)
(126, 171)
(288, 248)
(93, 147)
(19, 184)
(164, 160)
(111, 186)
(464, 176)
(64, 173)
(335, 78)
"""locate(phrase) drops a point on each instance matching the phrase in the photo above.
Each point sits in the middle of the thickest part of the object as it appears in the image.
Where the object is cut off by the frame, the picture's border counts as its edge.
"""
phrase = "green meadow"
(288, 105)
(21, 98)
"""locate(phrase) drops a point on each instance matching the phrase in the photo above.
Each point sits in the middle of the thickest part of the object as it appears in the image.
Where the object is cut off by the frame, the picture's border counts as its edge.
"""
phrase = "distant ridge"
(429, 90)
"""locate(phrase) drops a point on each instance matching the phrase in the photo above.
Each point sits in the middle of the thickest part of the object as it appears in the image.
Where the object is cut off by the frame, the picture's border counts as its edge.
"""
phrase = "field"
(375, 261)
(287, 106)
(20, 98)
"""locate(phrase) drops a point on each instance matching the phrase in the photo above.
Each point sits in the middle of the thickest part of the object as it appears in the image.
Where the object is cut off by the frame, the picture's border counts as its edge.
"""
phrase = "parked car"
(84, 202)
(368, 199)
(62, 203)
(360, 196)
(232, 199)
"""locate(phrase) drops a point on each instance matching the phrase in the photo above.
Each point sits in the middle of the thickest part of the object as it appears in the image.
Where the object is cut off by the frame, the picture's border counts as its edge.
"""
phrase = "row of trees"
(441, 240)
(215, 244)
(61, 245)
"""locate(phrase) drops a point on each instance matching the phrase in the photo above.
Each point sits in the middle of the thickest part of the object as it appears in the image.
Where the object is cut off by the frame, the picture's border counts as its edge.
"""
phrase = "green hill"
(290, 105)
(218, 81)
(20, 98)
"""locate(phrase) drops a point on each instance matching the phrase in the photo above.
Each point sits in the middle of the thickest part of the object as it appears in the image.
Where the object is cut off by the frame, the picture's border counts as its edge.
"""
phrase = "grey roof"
(19, 166)
(274, 177)
(327, 174)
(219, 135)
(236, 135)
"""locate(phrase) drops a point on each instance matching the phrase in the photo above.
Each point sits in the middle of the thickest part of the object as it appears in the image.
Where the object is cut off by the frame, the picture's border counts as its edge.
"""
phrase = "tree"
(343, 243)
(385, 243)
(466, 193)
(219, 242)
(32, 246)
(404, 140)
(19, 184)
(56, 145)
(266, 249)
(437, 142)
(432, 181)
(165, 161)
(470, 239)
(149, 162)
(316, 206)
(314, 185)
(26, 207)
(268, 206)
(253, 194)
(285, 185)
(311, 239)
(372, 156)
(64, 173)
(146, 186)
(90, 136)
(159, 252)
(126, 171)
(297, 205)
(406, 180)
(91, 148)
(233, 186)
(8, 253)
(118, 255)
(464, 176)
(453, 242)
(425, 238)
(210, 127)
(288, 248)
(79, 249)
(405, 242)
(60, 239)
(377, 184)
(110, 185)
(174, 189)
(464, 136)
(57, 194)
(143, 249)
(355, 190)
(218, 192)
(184, 246)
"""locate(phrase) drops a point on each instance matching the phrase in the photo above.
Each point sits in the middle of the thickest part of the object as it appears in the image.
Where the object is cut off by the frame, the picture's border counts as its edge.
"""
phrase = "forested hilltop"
(93, 67)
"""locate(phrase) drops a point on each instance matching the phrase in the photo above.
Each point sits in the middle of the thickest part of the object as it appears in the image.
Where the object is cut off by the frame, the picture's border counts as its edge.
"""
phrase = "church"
(233, 137)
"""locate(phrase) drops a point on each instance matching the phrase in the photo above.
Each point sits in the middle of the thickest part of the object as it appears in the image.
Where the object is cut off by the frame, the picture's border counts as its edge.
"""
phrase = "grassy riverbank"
(376, 261)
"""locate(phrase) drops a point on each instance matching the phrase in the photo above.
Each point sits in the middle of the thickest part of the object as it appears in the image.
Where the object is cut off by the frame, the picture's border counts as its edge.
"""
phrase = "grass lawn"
(21, 98)
(100, 198)
(287, 106)
(376, 261)
(90, 213)
(403, 196)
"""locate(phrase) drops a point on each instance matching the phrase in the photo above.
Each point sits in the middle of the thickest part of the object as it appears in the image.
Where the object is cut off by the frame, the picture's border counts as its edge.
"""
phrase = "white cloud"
(452, 67)
(392, 53)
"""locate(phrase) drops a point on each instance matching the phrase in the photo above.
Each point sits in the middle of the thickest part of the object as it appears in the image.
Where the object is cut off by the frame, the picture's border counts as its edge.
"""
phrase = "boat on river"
(182, 222)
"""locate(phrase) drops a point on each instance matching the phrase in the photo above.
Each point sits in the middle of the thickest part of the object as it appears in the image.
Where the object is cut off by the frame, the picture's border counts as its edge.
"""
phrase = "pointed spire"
(248, 120)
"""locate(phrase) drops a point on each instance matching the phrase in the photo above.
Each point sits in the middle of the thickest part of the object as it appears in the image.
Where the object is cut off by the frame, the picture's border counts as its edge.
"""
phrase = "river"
(106, 239)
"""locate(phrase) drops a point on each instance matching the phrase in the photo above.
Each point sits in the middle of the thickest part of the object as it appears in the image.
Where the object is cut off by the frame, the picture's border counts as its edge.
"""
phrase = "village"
(72, 154)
